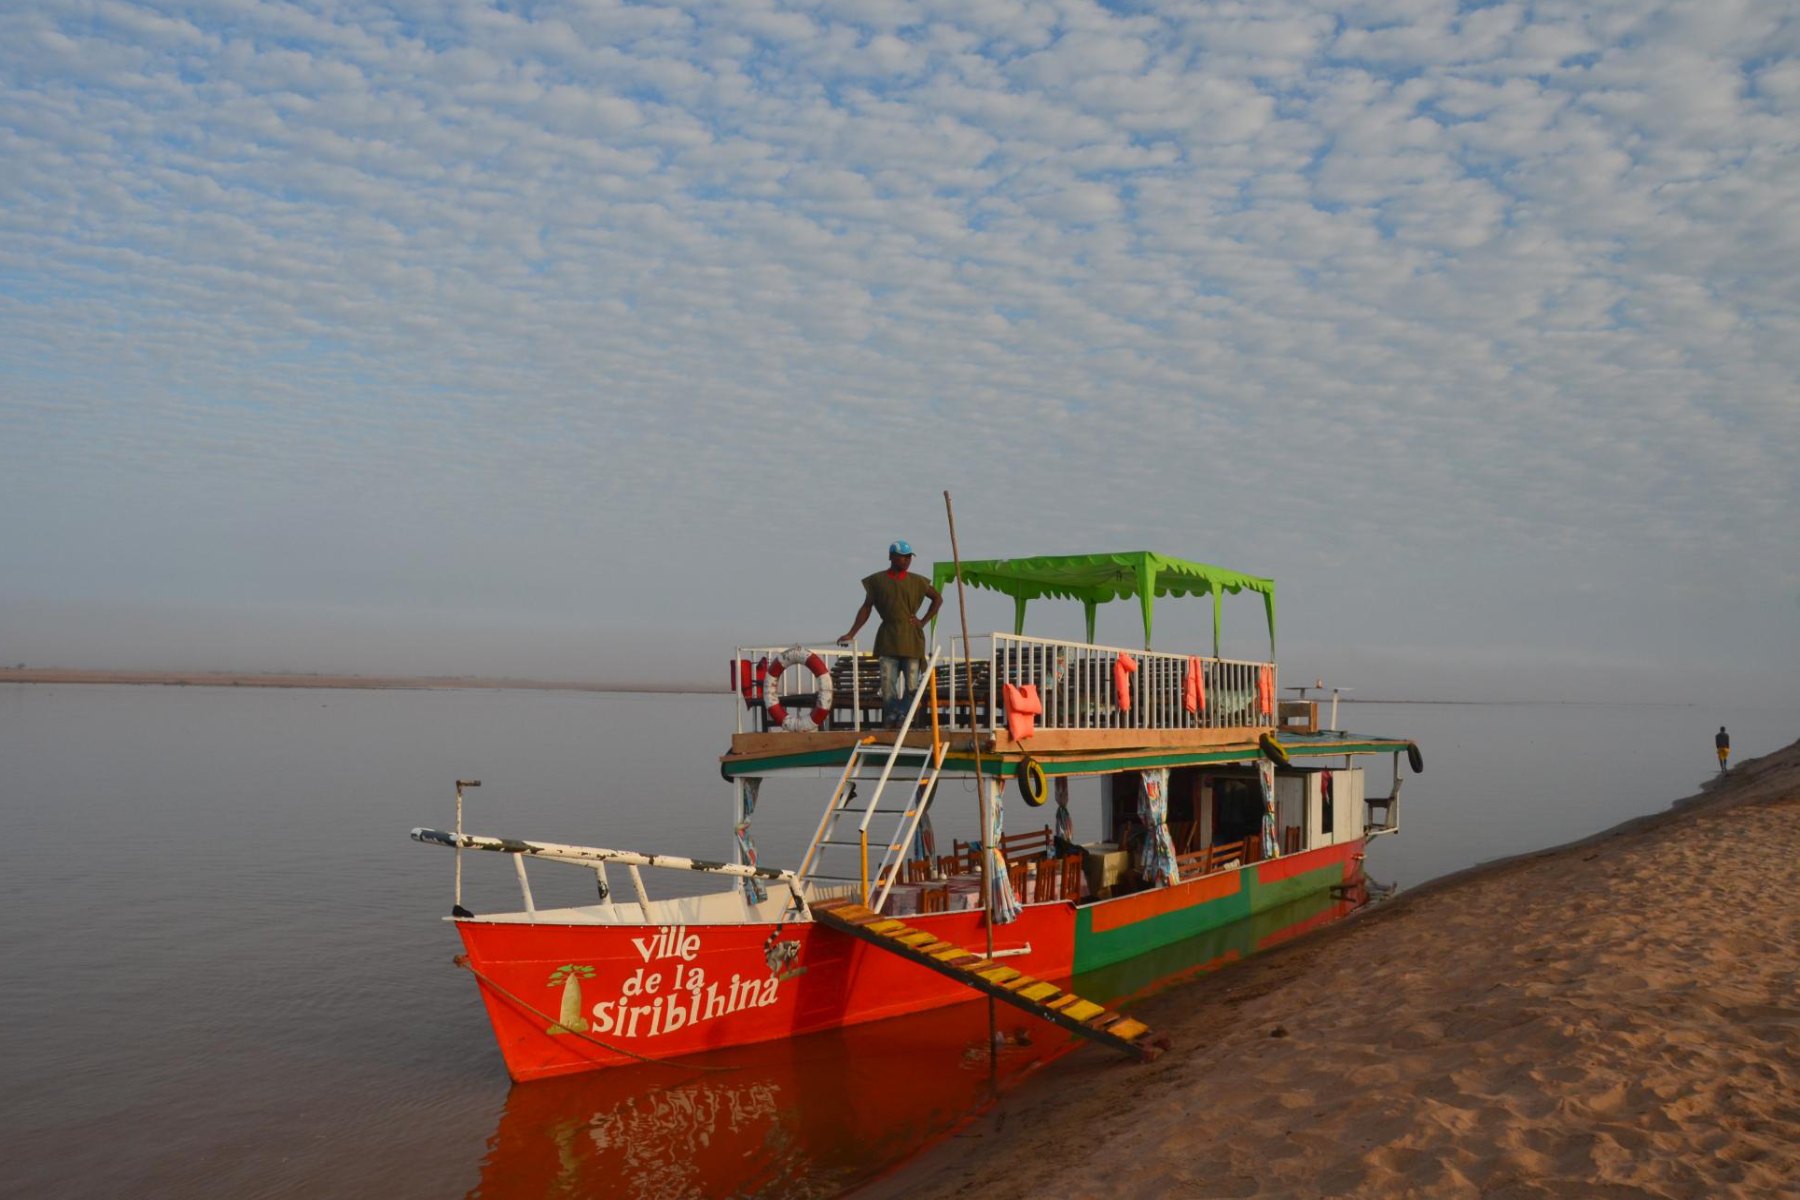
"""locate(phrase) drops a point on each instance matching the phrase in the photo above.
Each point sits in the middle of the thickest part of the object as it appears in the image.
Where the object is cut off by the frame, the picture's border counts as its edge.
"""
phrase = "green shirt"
(897, 600)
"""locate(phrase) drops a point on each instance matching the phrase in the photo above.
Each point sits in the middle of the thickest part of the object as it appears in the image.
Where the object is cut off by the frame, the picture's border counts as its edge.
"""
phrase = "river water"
(227, 971)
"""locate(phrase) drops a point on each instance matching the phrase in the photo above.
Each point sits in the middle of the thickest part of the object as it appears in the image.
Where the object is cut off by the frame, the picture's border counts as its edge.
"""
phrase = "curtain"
(1065, 824)
(1265, 774)
(754, 891)
(1159, 848)
(1005, 904)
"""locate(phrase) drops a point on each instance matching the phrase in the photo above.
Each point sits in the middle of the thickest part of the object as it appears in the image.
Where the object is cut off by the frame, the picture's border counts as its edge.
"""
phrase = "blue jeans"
(893, 698)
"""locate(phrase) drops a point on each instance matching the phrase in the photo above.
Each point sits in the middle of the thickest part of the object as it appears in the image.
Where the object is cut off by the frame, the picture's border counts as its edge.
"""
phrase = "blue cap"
(901, 547)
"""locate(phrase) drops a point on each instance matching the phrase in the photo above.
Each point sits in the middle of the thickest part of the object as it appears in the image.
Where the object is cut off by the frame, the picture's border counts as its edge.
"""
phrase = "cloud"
(1500, 297)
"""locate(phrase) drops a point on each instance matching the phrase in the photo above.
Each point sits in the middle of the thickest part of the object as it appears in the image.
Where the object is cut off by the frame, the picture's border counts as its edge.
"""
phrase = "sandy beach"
(1616, 1017)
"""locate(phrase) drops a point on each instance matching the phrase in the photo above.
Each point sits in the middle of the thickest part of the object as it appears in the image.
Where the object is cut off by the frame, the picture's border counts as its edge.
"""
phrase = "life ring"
(1414, 759)
(1273, 750)
(1033, 785)
(779, 716)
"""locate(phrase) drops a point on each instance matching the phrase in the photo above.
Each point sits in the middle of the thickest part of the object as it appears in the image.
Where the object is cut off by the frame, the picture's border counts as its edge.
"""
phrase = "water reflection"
(808, 1116)
(814, 1116)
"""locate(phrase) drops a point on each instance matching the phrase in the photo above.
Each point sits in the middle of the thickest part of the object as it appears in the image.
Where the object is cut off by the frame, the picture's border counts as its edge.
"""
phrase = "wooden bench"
(1014, 847)
(856, 686)
(1217, 858)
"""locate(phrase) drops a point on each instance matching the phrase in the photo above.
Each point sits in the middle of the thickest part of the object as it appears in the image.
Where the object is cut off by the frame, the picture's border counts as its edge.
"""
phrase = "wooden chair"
(935, 899)
(1015, 847)
(1058, 879)
(1073, 878)
(917, 870)
(1015, 875)
(1290, 840)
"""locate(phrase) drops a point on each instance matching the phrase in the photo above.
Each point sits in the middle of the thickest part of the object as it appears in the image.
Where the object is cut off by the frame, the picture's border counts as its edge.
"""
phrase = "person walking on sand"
(1722, 743)
(896, 594)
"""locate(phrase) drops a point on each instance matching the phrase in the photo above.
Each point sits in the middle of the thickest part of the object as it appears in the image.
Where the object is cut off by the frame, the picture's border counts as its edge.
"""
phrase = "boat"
(816, 1115)
(1216, 802)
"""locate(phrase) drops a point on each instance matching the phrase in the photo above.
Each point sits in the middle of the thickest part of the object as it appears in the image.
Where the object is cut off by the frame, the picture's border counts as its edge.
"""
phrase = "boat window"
(1184, 794)
(1121, 792)
(1237, 811)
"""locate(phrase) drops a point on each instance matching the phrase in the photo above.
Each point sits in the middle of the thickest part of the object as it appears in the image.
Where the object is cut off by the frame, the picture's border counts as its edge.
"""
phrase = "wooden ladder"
(1040, 999)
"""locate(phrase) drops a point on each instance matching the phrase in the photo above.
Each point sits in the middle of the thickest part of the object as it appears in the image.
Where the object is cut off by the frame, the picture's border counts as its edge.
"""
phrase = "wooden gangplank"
(1044, 1000)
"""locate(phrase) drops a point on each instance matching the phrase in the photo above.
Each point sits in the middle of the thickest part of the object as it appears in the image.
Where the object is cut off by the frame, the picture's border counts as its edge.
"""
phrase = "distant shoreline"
(296, 679)
(363, 682)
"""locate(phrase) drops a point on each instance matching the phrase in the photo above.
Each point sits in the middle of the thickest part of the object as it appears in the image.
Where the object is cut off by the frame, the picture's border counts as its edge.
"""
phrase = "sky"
(591, 340)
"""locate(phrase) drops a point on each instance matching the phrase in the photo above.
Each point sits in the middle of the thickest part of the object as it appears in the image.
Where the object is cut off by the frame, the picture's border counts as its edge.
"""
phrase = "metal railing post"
(525, 886)
(460, 785)
(637, 883)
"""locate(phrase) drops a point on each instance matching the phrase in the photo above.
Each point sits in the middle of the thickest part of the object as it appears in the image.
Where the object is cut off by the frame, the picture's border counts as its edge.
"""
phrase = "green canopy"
(1095, 579)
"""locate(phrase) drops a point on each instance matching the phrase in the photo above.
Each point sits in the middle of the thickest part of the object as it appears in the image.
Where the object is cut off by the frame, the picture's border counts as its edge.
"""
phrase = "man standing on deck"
(900, 641)
(1722, 742)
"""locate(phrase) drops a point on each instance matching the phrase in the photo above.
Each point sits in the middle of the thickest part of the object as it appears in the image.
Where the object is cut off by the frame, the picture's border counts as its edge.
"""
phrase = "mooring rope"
(462, 960)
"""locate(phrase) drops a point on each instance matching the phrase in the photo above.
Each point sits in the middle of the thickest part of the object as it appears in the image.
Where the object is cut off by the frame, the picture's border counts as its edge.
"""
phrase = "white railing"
(1078, 686)
(1075, 682)
(848, 666)
(595, 858)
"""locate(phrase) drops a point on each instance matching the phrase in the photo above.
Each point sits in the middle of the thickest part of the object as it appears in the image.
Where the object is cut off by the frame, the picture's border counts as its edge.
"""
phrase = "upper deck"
(1087, 718)
(1103, 707)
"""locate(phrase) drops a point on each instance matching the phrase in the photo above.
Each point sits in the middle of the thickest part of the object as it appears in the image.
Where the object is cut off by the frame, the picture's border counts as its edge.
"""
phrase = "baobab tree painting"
(570, 976)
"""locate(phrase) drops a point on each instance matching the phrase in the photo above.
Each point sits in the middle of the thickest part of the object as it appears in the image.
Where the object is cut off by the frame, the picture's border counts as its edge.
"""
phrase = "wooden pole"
(987, 875)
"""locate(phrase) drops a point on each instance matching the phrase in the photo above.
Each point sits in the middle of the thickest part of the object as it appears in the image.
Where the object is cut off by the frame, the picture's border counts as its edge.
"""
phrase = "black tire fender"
(1034, 785)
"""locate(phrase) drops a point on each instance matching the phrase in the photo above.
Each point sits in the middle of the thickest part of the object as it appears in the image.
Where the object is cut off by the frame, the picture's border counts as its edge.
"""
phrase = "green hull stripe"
(785, 762)
(1093, 950)
(1332, 751)
(1130, 980)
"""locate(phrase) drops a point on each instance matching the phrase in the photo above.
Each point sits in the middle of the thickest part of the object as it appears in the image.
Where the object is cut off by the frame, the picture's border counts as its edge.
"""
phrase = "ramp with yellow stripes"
(1040, 999)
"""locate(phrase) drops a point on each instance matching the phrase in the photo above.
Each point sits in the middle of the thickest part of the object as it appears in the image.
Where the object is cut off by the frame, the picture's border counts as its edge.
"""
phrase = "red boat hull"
(564, 998)
(568, 997)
